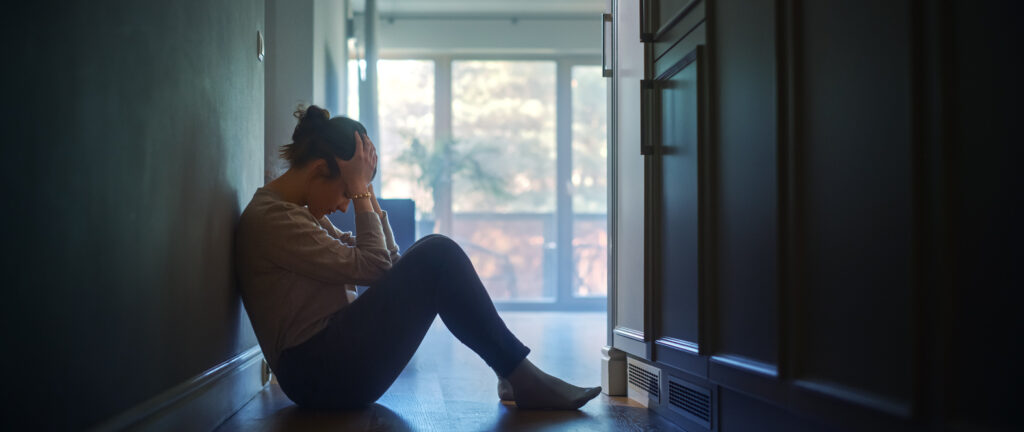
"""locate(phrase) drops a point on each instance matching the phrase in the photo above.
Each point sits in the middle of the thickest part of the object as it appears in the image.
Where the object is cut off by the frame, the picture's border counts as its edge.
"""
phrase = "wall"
(330, 51)
(135, 140)
(487, 35)
(305, 47)
(289, 74)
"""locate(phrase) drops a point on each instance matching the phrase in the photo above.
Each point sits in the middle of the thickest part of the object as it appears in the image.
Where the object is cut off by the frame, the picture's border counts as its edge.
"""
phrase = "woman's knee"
(434, 242)
(432, 251)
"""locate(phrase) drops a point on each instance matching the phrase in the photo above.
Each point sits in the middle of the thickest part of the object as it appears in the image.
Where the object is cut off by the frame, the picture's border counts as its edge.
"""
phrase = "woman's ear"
(319, 168)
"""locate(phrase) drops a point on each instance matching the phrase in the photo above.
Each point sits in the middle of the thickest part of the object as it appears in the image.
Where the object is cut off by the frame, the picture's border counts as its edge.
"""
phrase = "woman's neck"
(291, 186)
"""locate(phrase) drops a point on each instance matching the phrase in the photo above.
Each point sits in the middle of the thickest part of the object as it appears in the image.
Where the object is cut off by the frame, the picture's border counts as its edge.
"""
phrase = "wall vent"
(643, 380)
(691, 401)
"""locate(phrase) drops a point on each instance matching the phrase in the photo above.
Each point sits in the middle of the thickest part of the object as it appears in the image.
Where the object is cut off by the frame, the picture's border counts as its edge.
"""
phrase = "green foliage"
(441, 161)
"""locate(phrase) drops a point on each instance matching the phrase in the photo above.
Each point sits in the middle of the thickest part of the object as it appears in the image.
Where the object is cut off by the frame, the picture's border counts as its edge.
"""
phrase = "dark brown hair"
(318, 136)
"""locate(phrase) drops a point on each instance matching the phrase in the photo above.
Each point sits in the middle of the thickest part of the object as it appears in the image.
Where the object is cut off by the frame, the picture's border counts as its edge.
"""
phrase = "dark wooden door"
(674, 99)
(675, 183)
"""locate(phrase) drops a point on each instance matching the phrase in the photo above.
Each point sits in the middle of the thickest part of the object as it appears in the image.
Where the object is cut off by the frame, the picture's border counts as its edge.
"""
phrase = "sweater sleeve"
(345, 236)
(389, 238)
(298, 243)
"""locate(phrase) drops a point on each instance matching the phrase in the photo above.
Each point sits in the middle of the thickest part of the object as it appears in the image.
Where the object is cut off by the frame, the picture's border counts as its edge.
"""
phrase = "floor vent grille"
(644, 379)
(692, 401)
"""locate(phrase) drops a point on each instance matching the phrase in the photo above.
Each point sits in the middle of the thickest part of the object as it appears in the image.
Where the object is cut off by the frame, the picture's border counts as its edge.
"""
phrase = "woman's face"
(326, 195)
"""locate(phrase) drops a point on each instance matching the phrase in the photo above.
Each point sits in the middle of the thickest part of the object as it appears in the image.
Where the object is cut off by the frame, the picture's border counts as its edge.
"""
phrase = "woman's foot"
(534, 389)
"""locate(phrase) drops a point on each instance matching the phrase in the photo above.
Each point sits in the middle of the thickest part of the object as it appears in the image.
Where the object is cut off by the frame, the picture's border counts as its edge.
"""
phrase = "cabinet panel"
(985, 215)
(682, 25)
(745, 136)
(676, 97)
(677, 229)
(660, 15)
(628, 55)
(854, 193)
(668, 9)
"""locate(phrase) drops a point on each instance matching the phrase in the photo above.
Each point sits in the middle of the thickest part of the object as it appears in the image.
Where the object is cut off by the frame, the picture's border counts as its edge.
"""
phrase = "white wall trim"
(613, 371)
(201, 403)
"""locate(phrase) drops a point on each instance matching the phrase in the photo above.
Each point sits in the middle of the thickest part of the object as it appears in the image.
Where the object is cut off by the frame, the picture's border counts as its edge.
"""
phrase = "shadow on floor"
(376, 417)
(447, 388)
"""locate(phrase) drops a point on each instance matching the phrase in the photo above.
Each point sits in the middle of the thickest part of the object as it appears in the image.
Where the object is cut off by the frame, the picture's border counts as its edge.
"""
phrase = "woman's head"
(318, 136)
(318, 142)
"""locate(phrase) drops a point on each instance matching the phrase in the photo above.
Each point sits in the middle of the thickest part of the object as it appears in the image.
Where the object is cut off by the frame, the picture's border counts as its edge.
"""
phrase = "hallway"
(447, 387)
(799, 215)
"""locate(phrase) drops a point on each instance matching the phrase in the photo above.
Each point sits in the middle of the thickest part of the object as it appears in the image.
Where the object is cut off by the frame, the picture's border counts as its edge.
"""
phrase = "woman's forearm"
(373, 201)
(362, 198)
(364, 204)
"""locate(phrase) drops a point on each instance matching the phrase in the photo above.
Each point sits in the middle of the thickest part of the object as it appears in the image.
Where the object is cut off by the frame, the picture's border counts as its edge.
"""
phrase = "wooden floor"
(446, 387)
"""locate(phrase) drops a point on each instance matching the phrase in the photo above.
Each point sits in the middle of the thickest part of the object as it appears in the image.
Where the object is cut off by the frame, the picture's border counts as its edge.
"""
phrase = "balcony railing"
(516, 257)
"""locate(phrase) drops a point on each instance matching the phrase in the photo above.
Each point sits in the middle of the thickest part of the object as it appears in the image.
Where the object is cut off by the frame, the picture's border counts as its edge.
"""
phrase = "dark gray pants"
(366, 344)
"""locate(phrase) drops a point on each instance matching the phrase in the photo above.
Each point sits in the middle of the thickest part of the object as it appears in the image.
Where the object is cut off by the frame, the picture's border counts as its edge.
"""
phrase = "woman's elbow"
(379, 266)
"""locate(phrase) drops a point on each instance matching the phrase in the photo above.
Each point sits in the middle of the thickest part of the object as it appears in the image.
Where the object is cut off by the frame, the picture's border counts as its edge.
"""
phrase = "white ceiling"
(485, 7)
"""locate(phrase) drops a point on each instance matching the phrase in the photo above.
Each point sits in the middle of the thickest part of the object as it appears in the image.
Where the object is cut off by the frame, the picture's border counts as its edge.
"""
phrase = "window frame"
(564, 299)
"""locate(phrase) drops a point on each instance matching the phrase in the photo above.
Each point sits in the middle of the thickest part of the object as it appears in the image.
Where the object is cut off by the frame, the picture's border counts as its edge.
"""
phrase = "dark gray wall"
(134, 136)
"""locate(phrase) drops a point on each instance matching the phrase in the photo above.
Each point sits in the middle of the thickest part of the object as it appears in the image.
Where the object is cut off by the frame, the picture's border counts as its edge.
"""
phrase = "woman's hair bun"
(313, 112)
(312, 115)
(311, 119)
(318, 136)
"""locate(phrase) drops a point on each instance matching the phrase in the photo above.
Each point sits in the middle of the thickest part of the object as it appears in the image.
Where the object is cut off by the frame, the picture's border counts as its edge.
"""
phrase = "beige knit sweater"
(295, 271)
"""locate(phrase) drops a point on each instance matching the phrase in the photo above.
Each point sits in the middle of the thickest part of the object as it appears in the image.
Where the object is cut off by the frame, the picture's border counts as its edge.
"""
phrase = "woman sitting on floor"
(297, 271)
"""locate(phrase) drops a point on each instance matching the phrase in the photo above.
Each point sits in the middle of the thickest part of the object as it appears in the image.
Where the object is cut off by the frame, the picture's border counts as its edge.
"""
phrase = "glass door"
(503, 197)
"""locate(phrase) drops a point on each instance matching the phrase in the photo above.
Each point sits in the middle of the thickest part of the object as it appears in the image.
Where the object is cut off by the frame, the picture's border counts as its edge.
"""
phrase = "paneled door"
(630, 331)
(674, 155)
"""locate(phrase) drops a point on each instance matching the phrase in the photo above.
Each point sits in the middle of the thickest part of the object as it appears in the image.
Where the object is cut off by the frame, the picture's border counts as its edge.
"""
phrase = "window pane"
(405, 102)
(510, 252)
(503, 122)
(589, 181)
(405, 98)
(354, 69)
(503, 113)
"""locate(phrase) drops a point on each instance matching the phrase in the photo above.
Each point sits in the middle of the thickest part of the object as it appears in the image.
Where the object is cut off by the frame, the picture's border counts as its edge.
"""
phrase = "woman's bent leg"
(367, 344)
(442, 270)
(360, 353)
(439, 272)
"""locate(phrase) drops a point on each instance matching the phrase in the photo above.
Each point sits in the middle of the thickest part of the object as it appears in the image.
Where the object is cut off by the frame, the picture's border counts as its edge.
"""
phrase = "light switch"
(259, 45)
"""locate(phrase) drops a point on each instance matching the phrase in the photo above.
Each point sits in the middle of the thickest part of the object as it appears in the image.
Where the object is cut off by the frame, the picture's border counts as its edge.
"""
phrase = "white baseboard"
(201, 403)
(613, 371)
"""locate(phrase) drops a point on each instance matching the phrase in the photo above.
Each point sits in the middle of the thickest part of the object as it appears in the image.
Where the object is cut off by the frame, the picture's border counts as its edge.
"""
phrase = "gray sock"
(535, 389)
(505, 390)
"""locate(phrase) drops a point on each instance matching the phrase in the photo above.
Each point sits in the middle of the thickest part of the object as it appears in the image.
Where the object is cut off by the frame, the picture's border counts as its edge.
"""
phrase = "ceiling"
(484, 7)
